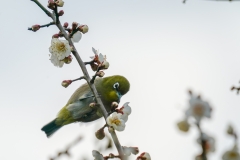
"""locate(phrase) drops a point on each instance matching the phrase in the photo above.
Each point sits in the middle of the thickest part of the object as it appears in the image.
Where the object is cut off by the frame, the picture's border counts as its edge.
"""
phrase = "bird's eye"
(116, 85)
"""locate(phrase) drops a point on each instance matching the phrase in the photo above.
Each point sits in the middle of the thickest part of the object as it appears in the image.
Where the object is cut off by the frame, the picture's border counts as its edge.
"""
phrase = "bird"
(77, 109)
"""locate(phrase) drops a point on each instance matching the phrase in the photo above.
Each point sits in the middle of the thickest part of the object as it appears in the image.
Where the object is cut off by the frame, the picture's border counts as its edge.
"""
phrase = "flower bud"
(68, 59)
(55, 36)
(100, 74)
(65, 25)
(35, 27)
(59, 3)
(60, 13)
(74, 25)
(144, 156)
(83, 29)
(51, 4)
(100, 134)
(114, 105)
(66, 83)
(92, 105)
(105, 65)
(94, 66)
(183, 125)
(111, 155)
(230, 130)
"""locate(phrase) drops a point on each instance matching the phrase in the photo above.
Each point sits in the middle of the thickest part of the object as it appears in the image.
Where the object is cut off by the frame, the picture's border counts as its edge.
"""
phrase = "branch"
(203, 142)
(88, 79)
(43, 8)
(45, 25)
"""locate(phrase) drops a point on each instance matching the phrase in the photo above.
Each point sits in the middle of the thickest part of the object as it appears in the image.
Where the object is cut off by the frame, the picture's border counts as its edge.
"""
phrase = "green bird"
(77, 109)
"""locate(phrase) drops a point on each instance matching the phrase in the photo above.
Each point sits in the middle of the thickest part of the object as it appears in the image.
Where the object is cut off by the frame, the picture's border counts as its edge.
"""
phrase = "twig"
(45, 25)
(203, 142)
(56, 14)
(88, 79)
(43, 8)
(83, 77)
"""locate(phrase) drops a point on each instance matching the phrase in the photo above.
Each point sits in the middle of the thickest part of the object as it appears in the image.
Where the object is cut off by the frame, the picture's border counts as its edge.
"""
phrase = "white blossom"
(198, 108)
(97, 155)
(126, 110)
(60, 48)
(116, 121)
(56, 62)
(76, 37)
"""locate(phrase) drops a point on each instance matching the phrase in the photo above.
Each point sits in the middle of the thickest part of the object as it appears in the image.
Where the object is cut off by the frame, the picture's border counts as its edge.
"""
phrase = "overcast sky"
(164, 48)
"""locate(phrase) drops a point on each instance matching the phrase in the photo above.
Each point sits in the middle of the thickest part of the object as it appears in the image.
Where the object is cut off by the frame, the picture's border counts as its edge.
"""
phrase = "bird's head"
(115, 87)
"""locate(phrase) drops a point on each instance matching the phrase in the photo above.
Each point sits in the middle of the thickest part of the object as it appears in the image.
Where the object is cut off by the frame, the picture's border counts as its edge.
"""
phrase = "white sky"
(163, 47)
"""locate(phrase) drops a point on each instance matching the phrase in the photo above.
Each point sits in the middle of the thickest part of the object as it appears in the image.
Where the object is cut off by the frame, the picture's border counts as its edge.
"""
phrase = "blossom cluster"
(118, 120)
(197, 110)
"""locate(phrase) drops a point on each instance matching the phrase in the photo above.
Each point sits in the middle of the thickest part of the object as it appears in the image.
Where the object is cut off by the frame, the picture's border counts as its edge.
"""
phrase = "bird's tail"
(51, 128)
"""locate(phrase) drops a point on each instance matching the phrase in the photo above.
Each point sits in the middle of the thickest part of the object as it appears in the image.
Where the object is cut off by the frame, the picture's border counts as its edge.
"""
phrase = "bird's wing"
(81, 108)
(78, 104)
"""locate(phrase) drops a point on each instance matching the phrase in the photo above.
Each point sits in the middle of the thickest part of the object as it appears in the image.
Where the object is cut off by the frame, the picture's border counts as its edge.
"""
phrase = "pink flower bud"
(60, 13)
(55, 36)
(66, 83)
(65, 25)
(51, 4)
(100, 74)
(144, 156)
(35, 27)
(74, 25)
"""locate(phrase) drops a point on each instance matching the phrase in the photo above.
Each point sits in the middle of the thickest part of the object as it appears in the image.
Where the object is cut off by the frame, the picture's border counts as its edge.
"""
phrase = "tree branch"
(87, 77)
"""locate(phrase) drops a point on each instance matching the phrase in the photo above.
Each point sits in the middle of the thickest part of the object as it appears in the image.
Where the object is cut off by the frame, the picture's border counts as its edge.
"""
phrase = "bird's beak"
(119, 96)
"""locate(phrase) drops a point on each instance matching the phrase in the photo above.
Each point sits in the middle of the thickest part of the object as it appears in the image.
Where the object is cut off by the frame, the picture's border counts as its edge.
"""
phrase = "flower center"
(116, 121)
(233, 154)
(198, 109)
(61, 47)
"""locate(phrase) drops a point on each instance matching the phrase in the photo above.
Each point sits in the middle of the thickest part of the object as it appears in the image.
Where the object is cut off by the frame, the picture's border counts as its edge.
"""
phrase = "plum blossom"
(59, 48)
(76, 37)
(97, 155)
(56, 62)
(128, 150)
(232, 154)
(198, 108)
(126, 111)
(116, 121)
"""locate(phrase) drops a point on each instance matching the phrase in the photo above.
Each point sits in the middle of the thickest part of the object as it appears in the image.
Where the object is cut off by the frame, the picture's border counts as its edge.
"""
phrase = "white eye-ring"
(116, 85)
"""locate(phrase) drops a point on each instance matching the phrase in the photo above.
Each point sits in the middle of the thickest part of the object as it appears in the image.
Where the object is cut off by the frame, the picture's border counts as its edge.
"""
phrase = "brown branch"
(88, 79)
(203, 142)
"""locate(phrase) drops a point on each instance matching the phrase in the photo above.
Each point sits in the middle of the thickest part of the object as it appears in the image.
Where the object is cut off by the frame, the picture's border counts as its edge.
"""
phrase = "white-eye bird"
(77, 109)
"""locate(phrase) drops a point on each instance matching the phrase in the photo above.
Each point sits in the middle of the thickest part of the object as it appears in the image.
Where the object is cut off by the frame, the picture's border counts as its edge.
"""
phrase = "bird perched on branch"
(77, 109)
